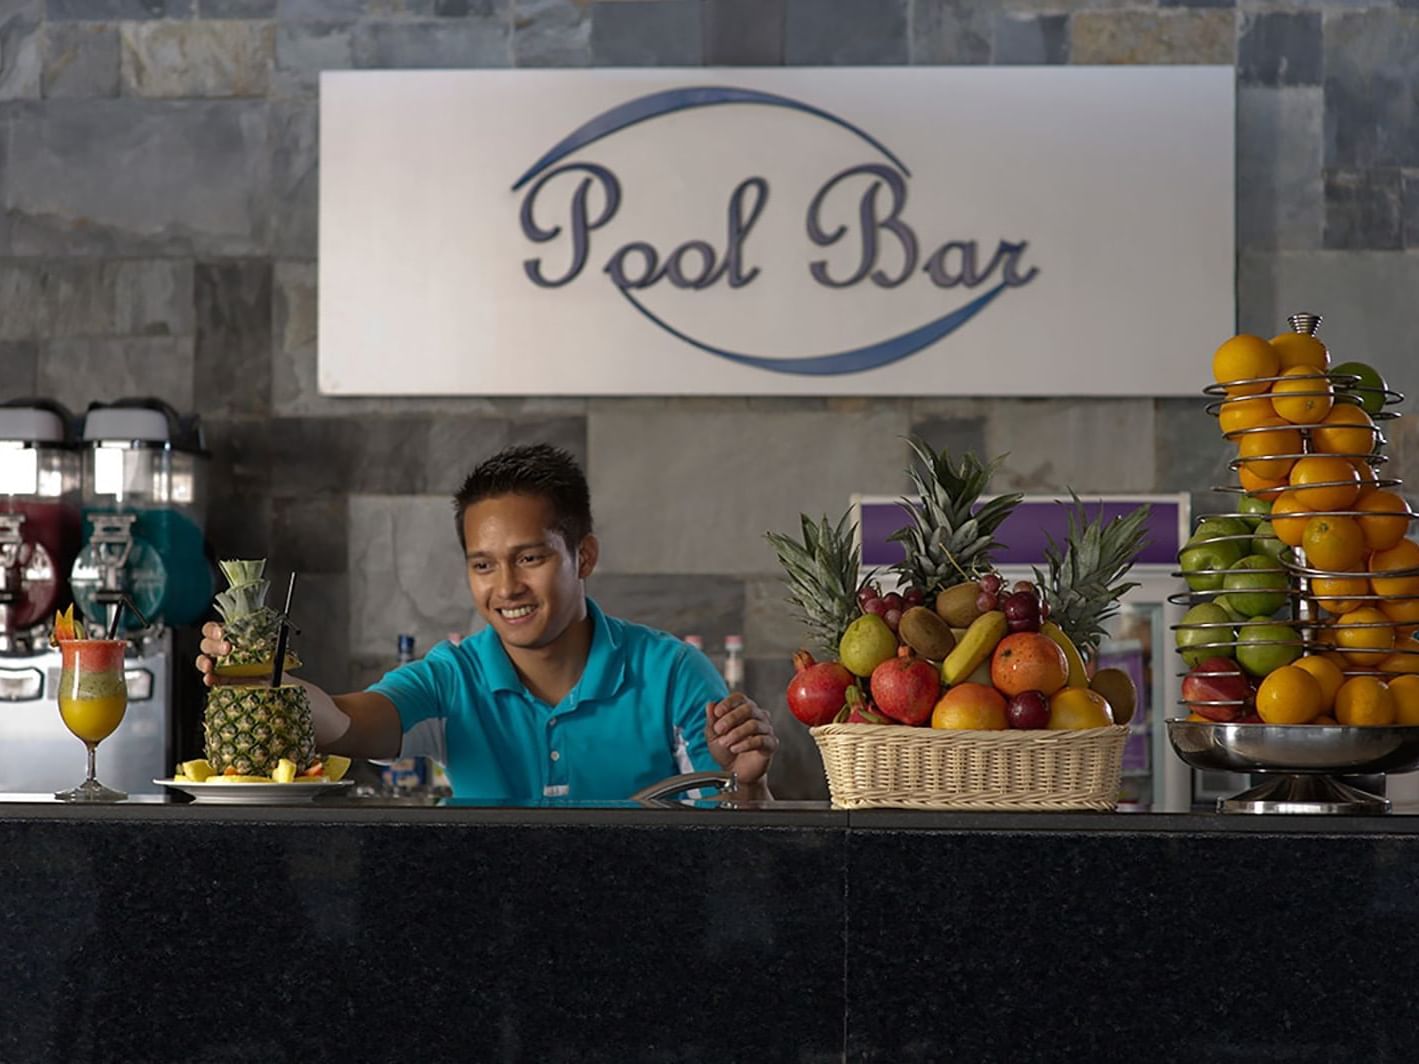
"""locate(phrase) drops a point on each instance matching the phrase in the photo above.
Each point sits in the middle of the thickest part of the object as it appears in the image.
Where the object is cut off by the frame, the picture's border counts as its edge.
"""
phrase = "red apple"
(1213, 681)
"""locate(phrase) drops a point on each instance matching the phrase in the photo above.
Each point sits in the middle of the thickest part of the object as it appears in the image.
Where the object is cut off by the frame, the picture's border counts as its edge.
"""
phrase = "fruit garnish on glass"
(66, 627)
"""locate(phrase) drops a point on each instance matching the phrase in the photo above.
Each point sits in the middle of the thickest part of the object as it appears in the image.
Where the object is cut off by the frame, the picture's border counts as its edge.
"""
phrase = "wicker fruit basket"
(874, 766)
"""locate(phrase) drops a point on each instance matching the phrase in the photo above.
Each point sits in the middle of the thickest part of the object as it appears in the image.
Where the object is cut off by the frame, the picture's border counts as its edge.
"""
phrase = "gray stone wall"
(158, 175)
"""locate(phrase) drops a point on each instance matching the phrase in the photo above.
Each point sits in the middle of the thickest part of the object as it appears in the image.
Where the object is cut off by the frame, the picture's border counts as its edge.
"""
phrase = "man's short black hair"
(537, 469)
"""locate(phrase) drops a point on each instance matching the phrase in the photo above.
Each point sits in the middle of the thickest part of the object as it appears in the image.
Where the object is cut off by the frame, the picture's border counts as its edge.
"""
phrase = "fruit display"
(1304, 599)
(251, 725)
(955, 648)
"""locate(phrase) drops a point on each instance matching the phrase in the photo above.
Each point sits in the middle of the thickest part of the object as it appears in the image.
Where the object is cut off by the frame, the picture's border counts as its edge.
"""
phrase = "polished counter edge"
(759, 817)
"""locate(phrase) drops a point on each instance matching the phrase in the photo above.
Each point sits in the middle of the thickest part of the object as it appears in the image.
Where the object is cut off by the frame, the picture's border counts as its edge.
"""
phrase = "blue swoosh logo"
(873, 356)
(644, 108)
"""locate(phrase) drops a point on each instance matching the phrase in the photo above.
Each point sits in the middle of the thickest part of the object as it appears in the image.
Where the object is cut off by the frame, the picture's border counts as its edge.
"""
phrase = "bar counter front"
(158, 932)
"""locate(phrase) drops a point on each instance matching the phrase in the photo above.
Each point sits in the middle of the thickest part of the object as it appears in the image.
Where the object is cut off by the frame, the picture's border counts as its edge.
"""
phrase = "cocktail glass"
(93, 696)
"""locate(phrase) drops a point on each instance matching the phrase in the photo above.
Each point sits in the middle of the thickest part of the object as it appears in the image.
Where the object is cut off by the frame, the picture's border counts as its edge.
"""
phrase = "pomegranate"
(859, 710)
(905, 688)
(818, 689)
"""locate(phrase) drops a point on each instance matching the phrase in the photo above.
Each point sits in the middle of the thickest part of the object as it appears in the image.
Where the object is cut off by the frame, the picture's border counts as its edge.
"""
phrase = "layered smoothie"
(93, 694)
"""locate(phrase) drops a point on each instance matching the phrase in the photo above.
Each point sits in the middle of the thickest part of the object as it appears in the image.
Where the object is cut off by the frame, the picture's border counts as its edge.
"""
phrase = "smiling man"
(554, 699)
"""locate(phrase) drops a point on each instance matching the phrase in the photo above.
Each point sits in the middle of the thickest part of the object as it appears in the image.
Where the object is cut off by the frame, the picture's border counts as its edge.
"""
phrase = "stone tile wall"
(158, 177)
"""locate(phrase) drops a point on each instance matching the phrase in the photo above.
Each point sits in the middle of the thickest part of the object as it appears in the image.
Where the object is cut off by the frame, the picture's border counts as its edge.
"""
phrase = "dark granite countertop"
(345, 931)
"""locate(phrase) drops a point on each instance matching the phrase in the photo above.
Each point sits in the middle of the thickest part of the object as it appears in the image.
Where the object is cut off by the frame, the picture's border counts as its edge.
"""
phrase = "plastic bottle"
(696, 641)
(406, 775)
(734, 662)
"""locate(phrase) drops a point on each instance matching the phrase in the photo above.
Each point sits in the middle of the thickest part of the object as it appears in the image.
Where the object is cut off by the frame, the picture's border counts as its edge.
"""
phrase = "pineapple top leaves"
(247, 593)
(821, 574)
(947, 543)
(1083, 585)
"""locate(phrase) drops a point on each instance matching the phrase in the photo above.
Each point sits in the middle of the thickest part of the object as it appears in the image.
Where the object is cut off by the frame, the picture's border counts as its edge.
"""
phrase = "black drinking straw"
(285, 632)
(118, 612)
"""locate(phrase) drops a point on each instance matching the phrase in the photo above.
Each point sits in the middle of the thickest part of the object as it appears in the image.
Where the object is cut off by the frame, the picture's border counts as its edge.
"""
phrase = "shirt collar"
(605, 662)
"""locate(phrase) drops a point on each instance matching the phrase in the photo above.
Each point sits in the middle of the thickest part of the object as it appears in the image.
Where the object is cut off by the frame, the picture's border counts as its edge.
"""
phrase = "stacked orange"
(1310, 454)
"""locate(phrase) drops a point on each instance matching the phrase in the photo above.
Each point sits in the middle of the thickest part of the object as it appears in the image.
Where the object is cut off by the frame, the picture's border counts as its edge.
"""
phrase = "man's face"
(525, 580)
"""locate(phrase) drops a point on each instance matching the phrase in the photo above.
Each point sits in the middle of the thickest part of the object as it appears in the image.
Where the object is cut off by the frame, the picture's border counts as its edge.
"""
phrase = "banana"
(1077, 676)
(974, 647)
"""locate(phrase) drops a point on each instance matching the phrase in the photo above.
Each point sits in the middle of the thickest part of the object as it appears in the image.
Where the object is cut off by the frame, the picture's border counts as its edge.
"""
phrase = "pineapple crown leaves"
(1083, 584)
(821, 575)
(949, 540)
(247, 593)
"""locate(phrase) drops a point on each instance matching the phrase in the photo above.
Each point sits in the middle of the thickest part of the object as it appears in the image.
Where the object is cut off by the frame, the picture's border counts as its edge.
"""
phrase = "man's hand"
(741, 740)
(214, 645)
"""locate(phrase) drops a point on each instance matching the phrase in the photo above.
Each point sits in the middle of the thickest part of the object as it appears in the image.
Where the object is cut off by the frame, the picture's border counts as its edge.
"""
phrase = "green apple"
(1263, 646)
(1205, 562)
(1369, 391)
(1265, 542)
(1256, 586)
(1254, 510)
(1218, 527)
(1197, 643)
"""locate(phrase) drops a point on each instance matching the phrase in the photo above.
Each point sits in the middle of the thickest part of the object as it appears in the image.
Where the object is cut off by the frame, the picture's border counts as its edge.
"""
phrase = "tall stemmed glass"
(93, 697)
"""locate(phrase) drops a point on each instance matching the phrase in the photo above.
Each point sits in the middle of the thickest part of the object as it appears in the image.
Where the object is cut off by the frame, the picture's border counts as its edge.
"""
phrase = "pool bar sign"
(838, 231)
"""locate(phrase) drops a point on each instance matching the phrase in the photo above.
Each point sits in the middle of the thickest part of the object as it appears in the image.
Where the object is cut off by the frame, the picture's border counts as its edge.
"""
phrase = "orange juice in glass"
(93, 696)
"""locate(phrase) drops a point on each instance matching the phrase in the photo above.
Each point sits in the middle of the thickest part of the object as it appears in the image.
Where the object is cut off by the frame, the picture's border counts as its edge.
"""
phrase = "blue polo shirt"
(637, 715)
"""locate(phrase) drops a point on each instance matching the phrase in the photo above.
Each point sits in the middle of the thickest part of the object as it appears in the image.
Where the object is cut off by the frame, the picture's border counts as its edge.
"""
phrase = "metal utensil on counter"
(657, 793)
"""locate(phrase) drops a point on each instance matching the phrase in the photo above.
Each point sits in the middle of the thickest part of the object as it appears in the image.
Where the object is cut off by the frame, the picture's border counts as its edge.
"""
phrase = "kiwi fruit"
(957, 605)
(1118, 689)
(926, 633)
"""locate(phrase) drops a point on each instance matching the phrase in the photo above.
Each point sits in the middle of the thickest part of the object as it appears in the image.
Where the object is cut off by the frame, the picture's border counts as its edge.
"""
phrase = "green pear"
(867, 643)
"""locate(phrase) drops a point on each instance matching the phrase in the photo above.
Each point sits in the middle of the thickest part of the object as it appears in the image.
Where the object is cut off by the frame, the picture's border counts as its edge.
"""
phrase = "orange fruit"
(1401, 612)
(1325, 482)
(1335, 544)
(1403, 555)
(1325, 636)
(1281, 444)
(1337, 659)
(1325, 718)
(1245, 357)
(1400, 663)
(1289, 530)
(1405, 691)
(1347, 429)
(1234, 415)
(1369, 480)
(1364, 701)
(970, 707)
(1390, 521)
(1325, 672)
(1301, 349)
(1075, 708)
(1365, 636)
(1338, 594)
(1261, 487)
(1289, 695)
(1302, 396)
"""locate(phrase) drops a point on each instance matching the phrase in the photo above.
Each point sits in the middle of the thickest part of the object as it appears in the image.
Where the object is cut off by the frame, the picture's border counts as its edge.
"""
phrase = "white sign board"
(829, 231)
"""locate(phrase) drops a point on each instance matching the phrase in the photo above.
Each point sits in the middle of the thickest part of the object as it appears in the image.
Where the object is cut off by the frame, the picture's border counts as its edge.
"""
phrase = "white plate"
(258, 793)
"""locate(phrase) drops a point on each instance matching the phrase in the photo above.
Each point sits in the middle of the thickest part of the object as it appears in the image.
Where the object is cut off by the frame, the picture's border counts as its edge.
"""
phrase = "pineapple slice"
(198, 771)
(236, 777)
(180, 778)
(336, 767)
(285, 771)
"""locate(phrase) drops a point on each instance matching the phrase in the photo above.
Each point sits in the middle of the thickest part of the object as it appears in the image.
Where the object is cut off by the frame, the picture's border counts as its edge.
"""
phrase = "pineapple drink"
(93, 694)
(250, 726)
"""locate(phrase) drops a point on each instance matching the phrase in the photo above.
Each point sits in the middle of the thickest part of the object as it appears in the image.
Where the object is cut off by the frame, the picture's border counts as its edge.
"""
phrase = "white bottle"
(734, 661)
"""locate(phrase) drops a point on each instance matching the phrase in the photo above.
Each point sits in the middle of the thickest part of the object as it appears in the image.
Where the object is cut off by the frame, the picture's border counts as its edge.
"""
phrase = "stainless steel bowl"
(1325, 749)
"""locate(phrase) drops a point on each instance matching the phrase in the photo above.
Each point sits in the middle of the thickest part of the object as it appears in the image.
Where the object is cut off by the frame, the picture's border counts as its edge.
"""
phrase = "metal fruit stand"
(1301, 765)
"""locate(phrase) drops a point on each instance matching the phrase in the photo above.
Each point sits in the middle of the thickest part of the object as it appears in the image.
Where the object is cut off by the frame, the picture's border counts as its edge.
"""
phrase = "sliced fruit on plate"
(180, 778)
(238, 778)
(314, 770)
(198, 771)
(336, 767)
(285, 771)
